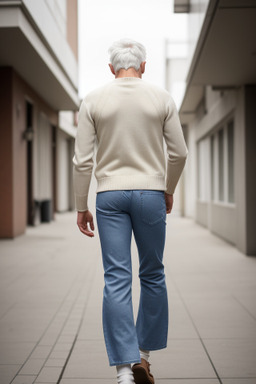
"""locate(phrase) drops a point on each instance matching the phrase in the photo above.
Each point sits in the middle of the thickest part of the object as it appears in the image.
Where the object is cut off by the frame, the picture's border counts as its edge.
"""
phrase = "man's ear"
(112, 69)
(142, 66)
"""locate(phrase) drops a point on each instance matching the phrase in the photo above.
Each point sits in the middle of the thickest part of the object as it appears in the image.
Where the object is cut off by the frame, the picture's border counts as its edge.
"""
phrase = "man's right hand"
(83, 218)
(168, 202)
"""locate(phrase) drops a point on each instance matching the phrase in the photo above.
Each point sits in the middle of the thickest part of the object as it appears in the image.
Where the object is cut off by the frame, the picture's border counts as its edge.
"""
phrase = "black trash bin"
(46, 211)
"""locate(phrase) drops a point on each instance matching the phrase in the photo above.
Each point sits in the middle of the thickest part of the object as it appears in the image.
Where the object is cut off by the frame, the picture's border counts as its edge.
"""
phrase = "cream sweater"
(129, 119)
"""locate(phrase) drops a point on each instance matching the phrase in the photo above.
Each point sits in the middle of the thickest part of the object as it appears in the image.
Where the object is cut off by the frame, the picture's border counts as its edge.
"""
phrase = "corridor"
(50, 313)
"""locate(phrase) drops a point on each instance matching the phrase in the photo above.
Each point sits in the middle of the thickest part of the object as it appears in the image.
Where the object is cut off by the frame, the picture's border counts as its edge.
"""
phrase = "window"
(212, 167)
(203, 170)
(222, 163)
(231, 161)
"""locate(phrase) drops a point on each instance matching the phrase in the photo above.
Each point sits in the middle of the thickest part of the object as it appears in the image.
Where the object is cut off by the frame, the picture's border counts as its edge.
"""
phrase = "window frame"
(212, 141)
(215, 178)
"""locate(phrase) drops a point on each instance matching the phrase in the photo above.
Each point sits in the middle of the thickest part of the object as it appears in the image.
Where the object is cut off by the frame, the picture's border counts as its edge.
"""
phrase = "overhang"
(22, 48)
(181, 6)
(225, 54)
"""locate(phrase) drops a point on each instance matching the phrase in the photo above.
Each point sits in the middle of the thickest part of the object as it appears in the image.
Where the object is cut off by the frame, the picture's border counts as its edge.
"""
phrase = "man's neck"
(130, 72)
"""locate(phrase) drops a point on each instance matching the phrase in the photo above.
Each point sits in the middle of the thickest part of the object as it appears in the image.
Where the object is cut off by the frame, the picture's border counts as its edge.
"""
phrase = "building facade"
(39, 100)
(217, 113)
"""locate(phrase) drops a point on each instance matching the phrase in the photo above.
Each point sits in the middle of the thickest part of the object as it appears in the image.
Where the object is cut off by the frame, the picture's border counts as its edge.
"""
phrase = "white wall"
(195, 22)
(65, 152)
(42, 167)
(190, 173)
(59, 12)
(223, 218)
(63, 171)
(50, 17)
(66, 123)
(176, 69)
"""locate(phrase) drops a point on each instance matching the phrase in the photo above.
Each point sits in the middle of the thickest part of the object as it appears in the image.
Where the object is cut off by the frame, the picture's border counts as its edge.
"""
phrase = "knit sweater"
(128, 119)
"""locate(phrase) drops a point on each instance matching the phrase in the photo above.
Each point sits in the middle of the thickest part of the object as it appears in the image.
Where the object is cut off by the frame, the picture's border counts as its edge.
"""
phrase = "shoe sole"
(140, 376)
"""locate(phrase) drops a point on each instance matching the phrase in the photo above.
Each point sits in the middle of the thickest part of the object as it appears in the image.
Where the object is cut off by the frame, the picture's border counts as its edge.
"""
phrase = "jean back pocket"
(152, 206)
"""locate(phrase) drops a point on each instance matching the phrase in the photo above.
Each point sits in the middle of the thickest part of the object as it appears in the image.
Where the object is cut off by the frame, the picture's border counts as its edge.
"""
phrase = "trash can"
(46, 211)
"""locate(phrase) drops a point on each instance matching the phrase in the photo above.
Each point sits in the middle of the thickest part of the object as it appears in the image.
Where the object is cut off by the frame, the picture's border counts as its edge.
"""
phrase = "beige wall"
(6, 190)
(63, 164)
(72, 26)
(13, 202)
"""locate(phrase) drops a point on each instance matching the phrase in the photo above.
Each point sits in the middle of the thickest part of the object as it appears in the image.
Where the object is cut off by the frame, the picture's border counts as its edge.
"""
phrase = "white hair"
(126, 53)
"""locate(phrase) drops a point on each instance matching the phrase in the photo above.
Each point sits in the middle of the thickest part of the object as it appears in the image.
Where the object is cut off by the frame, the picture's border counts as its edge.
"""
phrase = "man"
(130, 118)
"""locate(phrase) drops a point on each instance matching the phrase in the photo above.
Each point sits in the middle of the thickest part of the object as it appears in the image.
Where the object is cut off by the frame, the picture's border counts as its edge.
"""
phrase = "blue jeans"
(119, 213)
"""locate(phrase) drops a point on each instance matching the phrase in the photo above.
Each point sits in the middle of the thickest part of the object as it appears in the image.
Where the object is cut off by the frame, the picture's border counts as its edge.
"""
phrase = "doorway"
(30, 202)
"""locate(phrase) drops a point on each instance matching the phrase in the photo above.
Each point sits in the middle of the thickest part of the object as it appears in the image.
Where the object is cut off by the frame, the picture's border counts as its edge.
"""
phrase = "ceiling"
(23, 49)
(225, 55)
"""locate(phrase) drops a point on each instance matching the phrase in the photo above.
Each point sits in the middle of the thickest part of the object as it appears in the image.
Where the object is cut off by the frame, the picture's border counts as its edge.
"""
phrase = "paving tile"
(191, 283)
(213, 279)
(220, 317)
(88, 381)
(247, 300)
(239, 381)
(189, 381)
(55, 362)
(180, 324)
(233, 358)
(169, 381)
(24, 379)
(62, 346)
(32, 367)
(65, 338)
(92, 324)
(41, 351)
(50, 338)
(15, 352)
(8, 372)
(182, 359)
(84, 361)
(49, 375)
(59, 354)
(23, 324)
(5, 305)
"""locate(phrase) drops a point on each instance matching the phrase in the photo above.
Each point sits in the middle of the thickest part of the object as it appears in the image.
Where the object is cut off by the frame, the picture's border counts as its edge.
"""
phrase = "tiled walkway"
(51, 283)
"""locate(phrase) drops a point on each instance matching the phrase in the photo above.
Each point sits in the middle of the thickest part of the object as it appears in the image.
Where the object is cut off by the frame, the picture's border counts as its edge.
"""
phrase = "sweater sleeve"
(83, 157)
(176, 147)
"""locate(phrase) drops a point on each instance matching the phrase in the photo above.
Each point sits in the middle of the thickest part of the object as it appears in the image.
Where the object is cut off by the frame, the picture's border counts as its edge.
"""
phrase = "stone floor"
(51, 282)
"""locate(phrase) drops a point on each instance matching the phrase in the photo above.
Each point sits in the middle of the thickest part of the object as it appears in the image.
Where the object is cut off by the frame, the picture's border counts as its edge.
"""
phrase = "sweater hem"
(131, 182)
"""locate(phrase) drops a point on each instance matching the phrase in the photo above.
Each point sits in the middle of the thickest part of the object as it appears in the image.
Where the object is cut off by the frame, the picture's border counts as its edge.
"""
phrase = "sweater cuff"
(81, 203)
(170, 189)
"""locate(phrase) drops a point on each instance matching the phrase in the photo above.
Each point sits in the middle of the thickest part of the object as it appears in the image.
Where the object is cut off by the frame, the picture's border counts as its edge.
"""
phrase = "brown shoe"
(141, 373)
